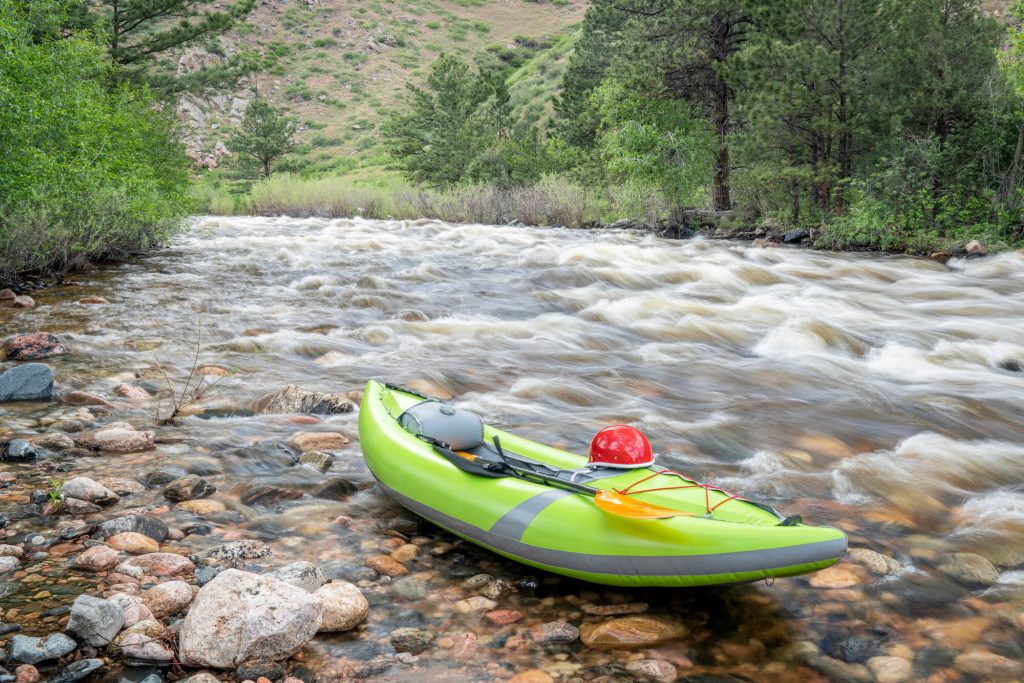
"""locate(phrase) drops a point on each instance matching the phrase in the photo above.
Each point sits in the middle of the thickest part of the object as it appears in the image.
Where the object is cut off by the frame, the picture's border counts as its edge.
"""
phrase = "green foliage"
(265, 136)
(89, 169)
(647, 139)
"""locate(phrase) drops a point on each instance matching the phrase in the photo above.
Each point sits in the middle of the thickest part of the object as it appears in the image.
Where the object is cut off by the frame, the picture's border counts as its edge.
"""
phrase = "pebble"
(236, 551)
(835, 577)
(97, 559)
(971, 569)
(616, 610)
(54, 441)
(8, 563)
(163, 564)
(254, 669)
(26, 673)
(412, 640)
(555, 632)
(168, 598)
(532, 676)
(345, 607)
(304, 575)
(386, 565)
(989, 664)
(188, 487)
(122, 486)
(149, 526)
(890, 669)
(474, 605)
(503, 617)
(133, 543)
(405, 553)
(318, 441)
(629, 632)
(657, 670)
(318, 460)
(132, 393)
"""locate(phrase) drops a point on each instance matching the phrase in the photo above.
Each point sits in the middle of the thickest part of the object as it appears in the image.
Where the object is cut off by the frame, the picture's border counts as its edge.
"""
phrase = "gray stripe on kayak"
(633, 565)
(513, 524)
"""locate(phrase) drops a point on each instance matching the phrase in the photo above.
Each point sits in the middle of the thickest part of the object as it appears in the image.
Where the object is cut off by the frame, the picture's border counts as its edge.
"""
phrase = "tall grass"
(553, 200)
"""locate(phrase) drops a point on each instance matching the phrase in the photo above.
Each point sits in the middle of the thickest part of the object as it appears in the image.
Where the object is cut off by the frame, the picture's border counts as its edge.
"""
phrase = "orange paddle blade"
(624, 506)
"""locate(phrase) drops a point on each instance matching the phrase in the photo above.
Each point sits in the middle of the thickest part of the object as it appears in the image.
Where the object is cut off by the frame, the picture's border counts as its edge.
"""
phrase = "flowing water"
(882, 395)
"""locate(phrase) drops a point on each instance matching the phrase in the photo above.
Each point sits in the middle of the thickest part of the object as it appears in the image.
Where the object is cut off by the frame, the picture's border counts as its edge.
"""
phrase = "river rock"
(317, 460)
(28, 650)
(122, 486)
(255, 669)
(24, 301)
(54, 441)
(975, 248)
(532, 676)
(971, 569)
(150, 526)
(412, 640)
(504, 617)
(166, 599)
(295, 399)
(35, 346)
(201, 507)
(188, 487)
(989, 665)
(835, 576)
(76, 671)
(133, 543)
(235, 551)
(86, 489)
(629, 632)
(145, 641)
(344, 606)
(94, 620)
(99, 558)
(555, 632)
(76, 506)
(133, 608)
(84, 398)
(121, 437)
(874, 562)
(29, 382)
(266, 495)
(386, 565)
(318, 441)
(26, 673)
(163, 564)
(11, 550)
(304, 575)
(657, 670)
(132, 392)
(890, 669)
(239, 616)
(17, 450)
(8, 564)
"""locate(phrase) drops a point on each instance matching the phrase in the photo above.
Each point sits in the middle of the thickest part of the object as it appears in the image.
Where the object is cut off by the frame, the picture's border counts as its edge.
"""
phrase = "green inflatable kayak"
(546, 508)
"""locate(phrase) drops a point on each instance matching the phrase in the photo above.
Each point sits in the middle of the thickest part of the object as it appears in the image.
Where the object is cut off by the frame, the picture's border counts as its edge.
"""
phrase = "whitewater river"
(882, 395)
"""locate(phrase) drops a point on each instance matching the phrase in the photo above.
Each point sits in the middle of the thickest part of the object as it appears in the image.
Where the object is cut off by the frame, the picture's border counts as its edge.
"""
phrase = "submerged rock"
(295, 399)
(657, 670)
(54, 441)
(318, 441)
(874, 562)
(133, 543)
(412, 640)
(239, 616)
(188, 487)
(163, 564)
(266, 495)
(555, 632)
(94, 620)
(76, 671)
(317, 460)
(149, 526)
(17, 450)
(629, 632)
(35, 346)
(971, 568)
(235, 551)
(120, 437)
(89, 490)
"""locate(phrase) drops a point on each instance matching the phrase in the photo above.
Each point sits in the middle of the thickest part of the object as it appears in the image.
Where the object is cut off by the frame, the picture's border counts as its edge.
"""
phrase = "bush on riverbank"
(88, 170)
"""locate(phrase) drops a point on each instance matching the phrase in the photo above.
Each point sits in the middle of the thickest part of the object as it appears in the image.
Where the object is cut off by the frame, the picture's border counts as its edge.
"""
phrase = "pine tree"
(144, 34)
(264, 137)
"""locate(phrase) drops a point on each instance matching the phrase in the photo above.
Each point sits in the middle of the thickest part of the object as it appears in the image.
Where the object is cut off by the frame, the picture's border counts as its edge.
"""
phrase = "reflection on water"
(880, 394)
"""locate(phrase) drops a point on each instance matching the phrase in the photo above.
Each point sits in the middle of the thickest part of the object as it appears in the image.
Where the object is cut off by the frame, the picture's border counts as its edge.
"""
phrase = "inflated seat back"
(460, 429)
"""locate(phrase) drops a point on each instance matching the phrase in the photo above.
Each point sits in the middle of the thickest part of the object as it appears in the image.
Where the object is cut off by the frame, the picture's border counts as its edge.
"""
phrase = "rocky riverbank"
(244, 539)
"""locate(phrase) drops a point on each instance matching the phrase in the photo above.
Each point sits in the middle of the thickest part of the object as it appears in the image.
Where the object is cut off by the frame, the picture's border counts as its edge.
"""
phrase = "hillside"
(340, 65)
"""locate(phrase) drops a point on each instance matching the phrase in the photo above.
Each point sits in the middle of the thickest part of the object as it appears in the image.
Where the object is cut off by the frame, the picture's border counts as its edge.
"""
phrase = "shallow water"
(882, 395)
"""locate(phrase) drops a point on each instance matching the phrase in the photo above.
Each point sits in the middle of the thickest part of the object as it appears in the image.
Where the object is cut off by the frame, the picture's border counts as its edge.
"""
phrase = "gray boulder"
(29, 382)
(28, 650)
(94, 620)
(239, 616)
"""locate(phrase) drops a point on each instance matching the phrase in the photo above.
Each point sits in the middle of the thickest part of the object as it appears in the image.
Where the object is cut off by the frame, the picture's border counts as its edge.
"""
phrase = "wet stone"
(35, 346)
(304, 575)
(234, 552)
(54, 441)
(345, 607)
(253, 669)
(266, 495)
(163, 476)
(163, 564)
(874, 562)
(971, 569)
(89, 490)
(17, 450)
(295, 399)
(474, 605)
(629, 632)
(890, 669)
(77, 671)
(555, 632)
(990, 665)
(412, 640)
(386, 565)
(168, 598)
(503, 617)
(94, 620)
(335, 488)
(26, 673)
(318, 460)
(8, 564)
(656, 670)
(97, 559)
(149, 526)
(616, 610)
(29, 382)
(28, 650)
(188, 487)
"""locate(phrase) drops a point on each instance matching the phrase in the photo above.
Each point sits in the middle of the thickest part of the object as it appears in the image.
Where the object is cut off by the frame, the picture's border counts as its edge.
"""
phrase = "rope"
(708, 488)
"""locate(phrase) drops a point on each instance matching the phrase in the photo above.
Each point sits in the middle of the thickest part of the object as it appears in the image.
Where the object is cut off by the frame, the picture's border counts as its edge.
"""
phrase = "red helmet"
(621, 446)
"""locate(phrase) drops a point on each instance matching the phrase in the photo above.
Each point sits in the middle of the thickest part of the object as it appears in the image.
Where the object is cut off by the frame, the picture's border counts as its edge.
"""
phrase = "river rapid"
(881, 395)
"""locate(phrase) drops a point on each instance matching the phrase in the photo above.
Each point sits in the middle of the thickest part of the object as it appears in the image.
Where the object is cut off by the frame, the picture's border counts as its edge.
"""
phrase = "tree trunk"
(721, 200)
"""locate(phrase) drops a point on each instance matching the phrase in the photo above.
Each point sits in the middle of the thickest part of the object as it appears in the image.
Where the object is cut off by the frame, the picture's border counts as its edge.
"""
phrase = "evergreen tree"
(144, 35)
(264, 137)
(441, 130)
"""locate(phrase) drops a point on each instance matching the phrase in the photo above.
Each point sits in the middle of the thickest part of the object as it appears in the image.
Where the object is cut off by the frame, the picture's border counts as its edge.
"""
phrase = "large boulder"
(239, 616)
(295, 399)
(29, 382)
(94, 620)
(35, 346)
